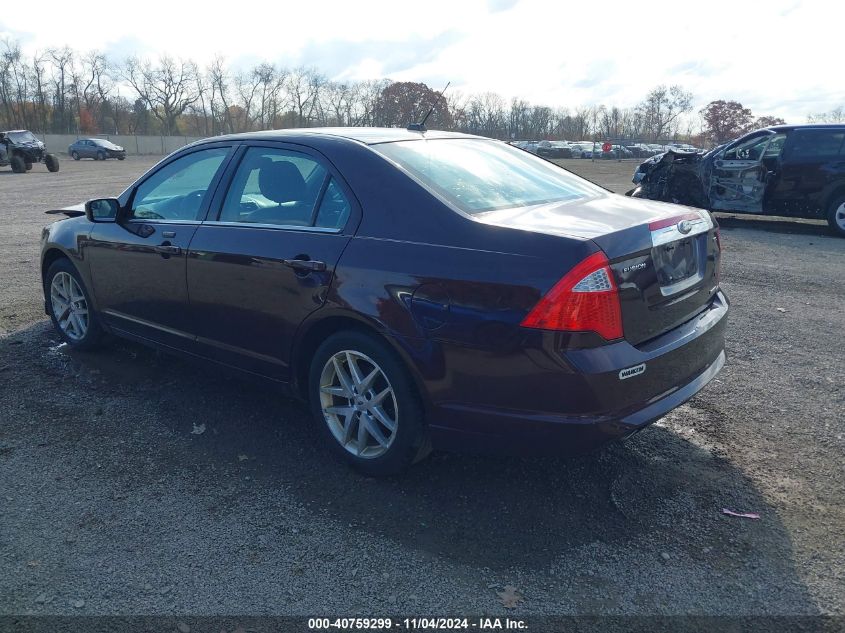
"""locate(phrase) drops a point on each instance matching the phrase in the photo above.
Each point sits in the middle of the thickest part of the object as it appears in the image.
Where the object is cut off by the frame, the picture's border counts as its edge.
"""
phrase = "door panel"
(139, 287)
(138, 263)
(247, 301)
(265, 260)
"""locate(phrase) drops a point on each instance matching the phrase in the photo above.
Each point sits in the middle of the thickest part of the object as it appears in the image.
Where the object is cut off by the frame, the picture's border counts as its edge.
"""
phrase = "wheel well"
(50, 257)
(831, 198)
(311, 341)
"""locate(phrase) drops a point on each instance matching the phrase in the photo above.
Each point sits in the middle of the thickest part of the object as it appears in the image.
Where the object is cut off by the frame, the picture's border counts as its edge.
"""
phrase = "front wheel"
(28, 166)
(836, 216)
(74, 155)
(52, 162)
(366, 404)
(101, 156)
(69, 306)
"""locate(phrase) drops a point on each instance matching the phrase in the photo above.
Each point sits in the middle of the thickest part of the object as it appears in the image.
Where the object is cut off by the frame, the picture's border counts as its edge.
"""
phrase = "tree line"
(66, 91)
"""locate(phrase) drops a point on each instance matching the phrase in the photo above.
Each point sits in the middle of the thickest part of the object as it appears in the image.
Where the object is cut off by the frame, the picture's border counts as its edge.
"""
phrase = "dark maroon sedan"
(419, 289)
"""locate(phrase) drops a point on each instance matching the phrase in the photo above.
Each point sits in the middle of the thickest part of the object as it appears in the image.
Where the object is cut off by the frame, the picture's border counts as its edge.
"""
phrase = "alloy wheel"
(69, 306)
(358, 404)
(839, 216)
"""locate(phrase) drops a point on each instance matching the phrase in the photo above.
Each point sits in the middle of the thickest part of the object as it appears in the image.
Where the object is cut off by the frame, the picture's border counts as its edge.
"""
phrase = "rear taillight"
(585, 300)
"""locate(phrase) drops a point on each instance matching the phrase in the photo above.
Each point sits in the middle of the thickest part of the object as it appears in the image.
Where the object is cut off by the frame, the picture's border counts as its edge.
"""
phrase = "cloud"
(339, 58)
(497, 6)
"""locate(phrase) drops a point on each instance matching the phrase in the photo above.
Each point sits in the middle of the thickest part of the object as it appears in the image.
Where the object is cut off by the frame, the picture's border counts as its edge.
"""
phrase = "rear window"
(477, 175)
(816, 143)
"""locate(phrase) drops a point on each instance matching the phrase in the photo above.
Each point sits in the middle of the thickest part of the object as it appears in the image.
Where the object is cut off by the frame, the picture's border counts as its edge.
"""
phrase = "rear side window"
(809, 144)
(334, 208)
(274, 186)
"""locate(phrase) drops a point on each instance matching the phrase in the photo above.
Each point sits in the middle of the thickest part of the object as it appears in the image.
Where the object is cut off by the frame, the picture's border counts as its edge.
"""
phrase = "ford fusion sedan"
(96, 148)
(419, 289)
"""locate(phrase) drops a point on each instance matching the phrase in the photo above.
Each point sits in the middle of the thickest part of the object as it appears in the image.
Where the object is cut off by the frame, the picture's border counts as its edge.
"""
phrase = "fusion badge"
(628, 372)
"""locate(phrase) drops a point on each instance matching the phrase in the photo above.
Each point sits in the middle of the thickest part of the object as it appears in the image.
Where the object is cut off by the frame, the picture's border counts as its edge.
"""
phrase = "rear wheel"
(836, 216)
(18, 165)
(52, 162)
(366, 404)
(69, 306)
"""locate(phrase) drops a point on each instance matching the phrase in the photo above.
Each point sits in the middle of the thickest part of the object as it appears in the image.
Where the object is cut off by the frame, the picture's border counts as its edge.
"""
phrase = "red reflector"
(585, 300)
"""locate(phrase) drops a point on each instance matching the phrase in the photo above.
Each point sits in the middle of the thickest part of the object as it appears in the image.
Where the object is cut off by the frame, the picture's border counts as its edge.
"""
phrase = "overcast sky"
(781, 57)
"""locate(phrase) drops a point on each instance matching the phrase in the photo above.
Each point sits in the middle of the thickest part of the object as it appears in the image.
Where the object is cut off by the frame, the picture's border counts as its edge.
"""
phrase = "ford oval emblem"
(685, 226)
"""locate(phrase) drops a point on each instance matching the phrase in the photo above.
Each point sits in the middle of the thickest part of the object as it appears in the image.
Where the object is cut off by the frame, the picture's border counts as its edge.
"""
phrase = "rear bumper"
(604, 407)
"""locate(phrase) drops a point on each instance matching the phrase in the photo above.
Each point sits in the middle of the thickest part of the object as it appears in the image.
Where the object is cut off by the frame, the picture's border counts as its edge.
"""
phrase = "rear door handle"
(305, 264)
(168, 249)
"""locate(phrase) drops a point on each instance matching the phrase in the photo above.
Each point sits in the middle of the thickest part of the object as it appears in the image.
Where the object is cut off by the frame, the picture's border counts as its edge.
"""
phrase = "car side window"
(809, 144)
(274, 186)
(177, 190)
(751, 149)
(334, 208)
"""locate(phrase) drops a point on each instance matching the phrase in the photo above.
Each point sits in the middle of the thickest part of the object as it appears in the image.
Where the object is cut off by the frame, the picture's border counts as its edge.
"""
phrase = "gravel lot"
(112, 505)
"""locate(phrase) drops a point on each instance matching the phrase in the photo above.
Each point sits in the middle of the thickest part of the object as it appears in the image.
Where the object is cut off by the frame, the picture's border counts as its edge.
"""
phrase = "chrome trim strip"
(283, 227)
(150, 324)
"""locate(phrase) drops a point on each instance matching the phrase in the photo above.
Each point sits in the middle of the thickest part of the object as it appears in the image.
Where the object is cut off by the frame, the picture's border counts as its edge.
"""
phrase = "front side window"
(274, 186)
(177, 190)
(478, 175)
(752, 149)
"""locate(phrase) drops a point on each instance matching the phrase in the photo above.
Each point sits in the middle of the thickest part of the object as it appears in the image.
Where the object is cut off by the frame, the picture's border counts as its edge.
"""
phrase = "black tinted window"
(815, 143)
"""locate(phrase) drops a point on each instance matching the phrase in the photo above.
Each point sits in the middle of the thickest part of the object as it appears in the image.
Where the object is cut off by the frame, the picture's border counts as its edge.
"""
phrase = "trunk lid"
(664, 257)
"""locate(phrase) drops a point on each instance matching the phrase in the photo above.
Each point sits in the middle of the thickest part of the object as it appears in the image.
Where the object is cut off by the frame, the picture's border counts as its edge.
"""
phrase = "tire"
(121, 158)
(836, 215)
(79, 330)
(18, 165)
(101, 156)
(379, 451)
(74, 155)
(28, 166)
(52, 162)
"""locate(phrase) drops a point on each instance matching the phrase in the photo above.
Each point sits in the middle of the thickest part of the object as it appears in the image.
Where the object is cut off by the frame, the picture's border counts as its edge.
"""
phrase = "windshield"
(478, 175)
(22, 137)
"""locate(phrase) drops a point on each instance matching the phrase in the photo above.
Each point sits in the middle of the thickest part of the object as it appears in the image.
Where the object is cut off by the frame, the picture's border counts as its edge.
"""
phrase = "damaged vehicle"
(21, 149)
(786, 170)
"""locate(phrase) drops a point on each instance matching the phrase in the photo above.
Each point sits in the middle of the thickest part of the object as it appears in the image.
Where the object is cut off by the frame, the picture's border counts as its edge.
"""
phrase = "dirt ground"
(111, 502)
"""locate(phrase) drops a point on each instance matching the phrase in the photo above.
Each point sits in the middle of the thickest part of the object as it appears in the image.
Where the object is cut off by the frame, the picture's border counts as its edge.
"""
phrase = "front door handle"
(305, 264)
(168, 249)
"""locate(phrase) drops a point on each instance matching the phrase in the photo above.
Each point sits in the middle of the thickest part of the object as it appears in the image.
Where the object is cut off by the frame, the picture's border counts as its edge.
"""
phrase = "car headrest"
(280, 181)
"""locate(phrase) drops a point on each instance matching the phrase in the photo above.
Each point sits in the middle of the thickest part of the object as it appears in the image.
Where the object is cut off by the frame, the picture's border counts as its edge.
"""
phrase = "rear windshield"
(477, 175)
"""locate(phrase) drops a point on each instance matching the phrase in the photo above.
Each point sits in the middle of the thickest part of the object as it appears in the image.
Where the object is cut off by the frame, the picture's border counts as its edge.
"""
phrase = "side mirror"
(102, 210)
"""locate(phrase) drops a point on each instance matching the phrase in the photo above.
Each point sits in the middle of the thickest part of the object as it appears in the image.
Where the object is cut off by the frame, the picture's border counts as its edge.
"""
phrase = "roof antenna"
(420, 127)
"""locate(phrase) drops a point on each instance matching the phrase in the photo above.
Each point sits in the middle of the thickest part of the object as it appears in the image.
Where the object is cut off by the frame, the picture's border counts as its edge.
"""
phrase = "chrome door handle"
(168, 249)
(305, 264)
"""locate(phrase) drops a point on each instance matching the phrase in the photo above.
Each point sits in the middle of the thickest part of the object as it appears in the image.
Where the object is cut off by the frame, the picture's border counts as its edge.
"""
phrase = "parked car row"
(596, 149)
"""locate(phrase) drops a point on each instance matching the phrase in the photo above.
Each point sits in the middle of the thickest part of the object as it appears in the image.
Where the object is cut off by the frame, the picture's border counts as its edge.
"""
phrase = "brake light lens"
(585, 300)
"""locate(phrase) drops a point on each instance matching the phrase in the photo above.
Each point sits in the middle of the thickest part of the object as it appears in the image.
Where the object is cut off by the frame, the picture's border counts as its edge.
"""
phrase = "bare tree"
(167, 89)
(662, 108)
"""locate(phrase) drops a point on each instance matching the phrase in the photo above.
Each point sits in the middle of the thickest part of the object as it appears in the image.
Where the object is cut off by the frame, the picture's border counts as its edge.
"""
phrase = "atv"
(20, 149)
